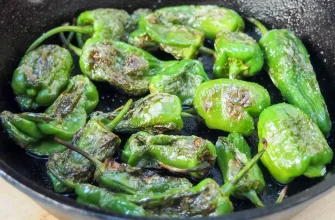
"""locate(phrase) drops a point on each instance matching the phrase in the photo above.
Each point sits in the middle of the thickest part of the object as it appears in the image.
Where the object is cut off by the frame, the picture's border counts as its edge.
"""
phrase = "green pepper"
(155, 113)
(104, 23)
(209, 19)
(230, 105)
(236, 55)
(41, 76)
(96, 140)
(292, 73)
(233, 152)
(180, 79)
(296, 145)
(181, 154)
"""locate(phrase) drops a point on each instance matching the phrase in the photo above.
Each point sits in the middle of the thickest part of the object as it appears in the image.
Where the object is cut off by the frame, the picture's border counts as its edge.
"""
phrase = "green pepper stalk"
(96, 140)
(233, 152)
(99, 23)
(41, 76)
(155, 113)
(236, 55)
(188, 155)
(296, 145)
(230, 105)
(292, 73)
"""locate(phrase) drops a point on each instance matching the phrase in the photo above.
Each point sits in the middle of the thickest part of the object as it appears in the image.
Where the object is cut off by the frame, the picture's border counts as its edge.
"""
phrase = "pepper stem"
(227, 188)
(236, 67)
(63, 181)
(206, 50)
(79, 37)
(190, 111)
(93, 160)
(282, 195)
(258, 24)
(253, 197)
(82, 29)
(110, 126)
(65, 40)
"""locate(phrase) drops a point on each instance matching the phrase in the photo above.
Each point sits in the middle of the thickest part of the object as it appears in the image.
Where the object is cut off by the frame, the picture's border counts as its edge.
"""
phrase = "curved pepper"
(296, 146)
(230, 105)
(180, 79)
(155, 113)
(181, 154)
(41, 76)
(292, 73)
(236, 55)
(233, 152)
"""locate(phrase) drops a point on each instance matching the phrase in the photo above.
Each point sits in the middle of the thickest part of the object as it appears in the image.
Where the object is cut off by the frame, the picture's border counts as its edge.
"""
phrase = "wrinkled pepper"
(236, 55)
(155, 113)
(41, 76)
(180, 79)
(230, 105)
(232, 153)
(292, 73)
(295, 144)
(188, 155)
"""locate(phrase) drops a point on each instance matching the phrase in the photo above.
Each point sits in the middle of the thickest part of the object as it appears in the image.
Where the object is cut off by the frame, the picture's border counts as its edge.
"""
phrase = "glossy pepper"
(209, 19)
(41, 76)
(292, 73)
(155, 113)
(96, 140)
(104, 23)
(230, 105)
(296, 145)
(232, 153)
(180, 79)
(181, 154)
(236, 55)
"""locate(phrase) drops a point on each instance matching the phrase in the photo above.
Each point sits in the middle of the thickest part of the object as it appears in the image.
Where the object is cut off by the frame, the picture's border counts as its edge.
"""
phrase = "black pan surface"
(24, 21)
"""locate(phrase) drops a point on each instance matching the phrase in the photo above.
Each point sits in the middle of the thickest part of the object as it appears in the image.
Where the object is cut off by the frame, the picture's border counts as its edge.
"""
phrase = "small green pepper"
(180, 79)
(41, 76)
(236, 55)
(296, 146)
(230, 105)
(233, 152)
(181, 154)
(292, 73)
(155, 113)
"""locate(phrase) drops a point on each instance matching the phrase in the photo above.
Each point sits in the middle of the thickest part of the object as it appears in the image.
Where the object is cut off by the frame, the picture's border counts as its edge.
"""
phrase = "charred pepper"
(230, 105)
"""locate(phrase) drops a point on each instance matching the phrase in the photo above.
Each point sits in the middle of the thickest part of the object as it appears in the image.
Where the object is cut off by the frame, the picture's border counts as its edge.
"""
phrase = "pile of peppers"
(135, 159)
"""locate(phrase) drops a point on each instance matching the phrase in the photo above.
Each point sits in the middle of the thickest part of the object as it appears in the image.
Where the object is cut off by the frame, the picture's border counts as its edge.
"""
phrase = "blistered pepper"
(232, 153)
(190, 155)
(41, 76)
(295, 144)
(155, 113)
(292, 73)
(236, 55)
(230, 105)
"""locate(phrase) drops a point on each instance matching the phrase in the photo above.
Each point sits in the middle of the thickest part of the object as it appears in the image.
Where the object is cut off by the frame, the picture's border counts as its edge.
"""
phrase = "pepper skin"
(209, 19)
(296, 145)
(236, 55)
(233, 152)
(230, 105)
(41, 76)
(155, 113)
(180, 79)
(181, 154)
(292, 73)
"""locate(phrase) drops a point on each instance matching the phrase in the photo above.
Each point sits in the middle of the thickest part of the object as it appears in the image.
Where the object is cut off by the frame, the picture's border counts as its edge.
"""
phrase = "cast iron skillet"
(23, 21)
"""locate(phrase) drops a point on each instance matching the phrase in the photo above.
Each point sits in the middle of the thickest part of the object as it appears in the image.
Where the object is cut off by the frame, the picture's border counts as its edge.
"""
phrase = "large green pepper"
(292, 73)
(155, 113)
(180, 79)
(233, 152)
(230, 105)
(181, 154)
(236, 55)
(209, 19)
(41, 76)
(296, 146)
